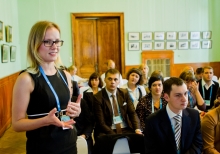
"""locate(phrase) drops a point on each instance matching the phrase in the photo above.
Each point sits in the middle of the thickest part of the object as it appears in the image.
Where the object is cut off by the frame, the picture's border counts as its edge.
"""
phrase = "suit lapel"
(120, 100)
(186, 120)
(166, 127)
(107, 101)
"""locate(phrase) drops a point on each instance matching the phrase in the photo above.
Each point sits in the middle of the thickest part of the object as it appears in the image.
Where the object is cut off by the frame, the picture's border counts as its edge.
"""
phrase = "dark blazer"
(75, 88)
(89, 98)
(83, 123)
(214, 92)
(104, 114)
(159, 135)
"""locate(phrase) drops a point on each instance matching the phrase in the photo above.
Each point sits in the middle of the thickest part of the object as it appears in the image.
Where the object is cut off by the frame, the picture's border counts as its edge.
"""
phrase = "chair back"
(81, 144)
(121, 146)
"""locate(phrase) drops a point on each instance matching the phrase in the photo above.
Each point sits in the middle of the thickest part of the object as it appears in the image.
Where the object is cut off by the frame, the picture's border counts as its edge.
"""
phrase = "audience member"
(156, 73)
(210, 126)
(41, 103)
(113, 108)
(194, 96)
(134, 85)
(145, 70)
(188, 68)
(73, 70)
(111, 65)
(207, 87)
(153, 101)
(198, 73)
(175, 128)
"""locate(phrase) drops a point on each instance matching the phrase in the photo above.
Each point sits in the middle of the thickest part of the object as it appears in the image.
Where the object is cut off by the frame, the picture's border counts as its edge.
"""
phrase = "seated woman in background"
(135, 80)
(145, 70)
(194, 96)
(210, 127)
(95, 85)
(153, 101)
(73, 70)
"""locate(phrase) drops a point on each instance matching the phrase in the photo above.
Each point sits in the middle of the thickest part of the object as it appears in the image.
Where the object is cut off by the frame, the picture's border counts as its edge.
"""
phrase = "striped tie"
(177, 130)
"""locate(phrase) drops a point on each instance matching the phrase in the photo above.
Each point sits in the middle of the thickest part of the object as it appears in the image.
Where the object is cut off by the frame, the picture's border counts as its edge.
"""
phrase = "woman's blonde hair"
(36, 36)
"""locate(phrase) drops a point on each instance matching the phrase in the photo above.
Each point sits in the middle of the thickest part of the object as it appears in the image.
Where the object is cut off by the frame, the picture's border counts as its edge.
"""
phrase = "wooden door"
(95, 41)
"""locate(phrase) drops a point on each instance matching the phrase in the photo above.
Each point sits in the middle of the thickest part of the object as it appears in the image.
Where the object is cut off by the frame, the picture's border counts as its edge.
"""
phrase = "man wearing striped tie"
(175, 129)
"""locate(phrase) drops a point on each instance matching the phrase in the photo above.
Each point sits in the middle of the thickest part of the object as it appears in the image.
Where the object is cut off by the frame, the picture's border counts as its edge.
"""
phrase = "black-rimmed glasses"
(49, 43)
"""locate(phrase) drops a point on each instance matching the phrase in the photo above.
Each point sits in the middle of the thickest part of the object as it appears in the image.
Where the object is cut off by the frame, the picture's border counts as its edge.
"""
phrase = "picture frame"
(194, 35)
(207, 35)
(183, 45)
(206, 44)
(158, 35)
(147, 46)
(183, 35)
(134, 36)
(171, 45)
(195, 45)
(8, 34)
(146, 36)
(159, 45)
(1, 31)
(171, 36)
(12, 53)
(4, 53)
(133, 46)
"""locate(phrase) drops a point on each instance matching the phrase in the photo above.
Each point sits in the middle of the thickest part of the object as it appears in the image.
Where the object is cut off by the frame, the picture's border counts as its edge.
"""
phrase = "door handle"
(96, 67)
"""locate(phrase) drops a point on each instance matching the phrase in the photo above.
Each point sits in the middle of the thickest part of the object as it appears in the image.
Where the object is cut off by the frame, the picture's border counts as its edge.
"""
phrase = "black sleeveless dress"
(49, 139)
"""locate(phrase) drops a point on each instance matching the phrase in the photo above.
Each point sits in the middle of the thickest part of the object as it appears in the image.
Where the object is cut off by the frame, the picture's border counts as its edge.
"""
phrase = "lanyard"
(203, 93)
(51, 87)
(153, 105)
(132, 96)
(190, 99)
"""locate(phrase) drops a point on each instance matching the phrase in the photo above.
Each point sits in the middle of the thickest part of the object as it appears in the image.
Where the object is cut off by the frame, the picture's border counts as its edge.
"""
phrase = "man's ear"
(166, 96)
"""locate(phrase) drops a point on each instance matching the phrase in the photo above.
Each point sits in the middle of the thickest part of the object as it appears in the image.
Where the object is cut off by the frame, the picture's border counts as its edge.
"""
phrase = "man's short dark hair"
(199, 70)
(167, 85)
(111, 71)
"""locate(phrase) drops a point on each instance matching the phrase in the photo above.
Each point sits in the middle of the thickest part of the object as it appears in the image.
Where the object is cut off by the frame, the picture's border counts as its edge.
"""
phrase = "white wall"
(9, 16)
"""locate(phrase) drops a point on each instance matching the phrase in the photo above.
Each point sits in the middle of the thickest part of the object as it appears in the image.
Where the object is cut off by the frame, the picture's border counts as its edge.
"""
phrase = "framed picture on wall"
(158, 35)
(8, 34)
(4, 53)
(183, 45)
(194, 35)
(171, 45)
(133, 46)
(171, 35)
(183, 35)
(13, 53)
(146, 36)
(133, 36)
(146, 45)
(158, 45)
(207, 35)
(207, 44)
(194, 44)
(1, 30)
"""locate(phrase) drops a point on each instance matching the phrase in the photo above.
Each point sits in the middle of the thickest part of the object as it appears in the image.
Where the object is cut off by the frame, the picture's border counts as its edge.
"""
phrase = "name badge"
(64, 118)
(117, 120)
(207, 102)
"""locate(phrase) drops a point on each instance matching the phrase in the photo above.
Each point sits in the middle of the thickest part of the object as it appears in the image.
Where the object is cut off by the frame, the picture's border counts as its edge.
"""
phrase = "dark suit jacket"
(89, 98)
(104, 114)
(75, 88)
(83, 123)
(159, 135)
(214, 93)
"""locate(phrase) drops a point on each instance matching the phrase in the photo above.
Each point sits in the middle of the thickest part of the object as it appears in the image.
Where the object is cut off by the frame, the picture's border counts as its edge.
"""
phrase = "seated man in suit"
(175, 128)
(207, 87)
(113, 109)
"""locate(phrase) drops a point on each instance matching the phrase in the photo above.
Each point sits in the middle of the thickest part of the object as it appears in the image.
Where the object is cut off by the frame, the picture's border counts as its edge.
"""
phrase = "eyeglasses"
(49, 43)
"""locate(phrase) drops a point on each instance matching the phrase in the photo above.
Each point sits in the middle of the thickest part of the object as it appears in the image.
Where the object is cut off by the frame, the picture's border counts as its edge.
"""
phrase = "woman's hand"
(51, 119)
(73, 108)
(194, 87)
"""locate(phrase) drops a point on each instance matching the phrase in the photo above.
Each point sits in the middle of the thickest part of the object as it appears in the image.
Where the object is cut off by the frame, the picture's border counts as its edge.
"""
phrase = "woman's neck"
(131, 86)
(49, 68)
(95, 90)
(156, 98)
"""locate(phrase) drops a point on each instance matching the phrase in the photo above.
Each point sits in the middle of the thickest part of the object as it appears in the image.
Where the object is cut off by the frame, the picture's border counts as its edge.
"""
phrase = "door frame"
(119, 15)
